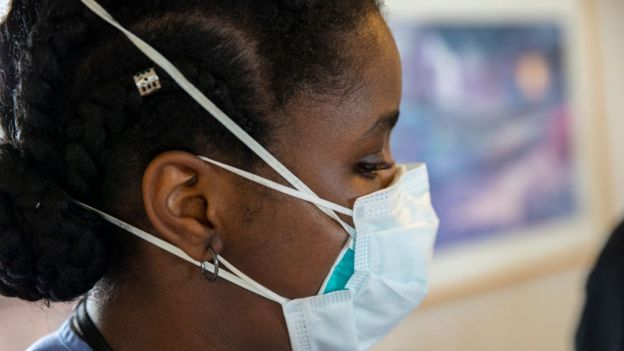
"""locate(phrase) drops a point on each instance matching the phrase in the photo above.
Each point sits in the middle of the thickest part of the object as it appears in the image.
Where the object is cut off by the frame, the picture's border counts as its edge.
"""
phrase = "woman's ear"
(180, 195)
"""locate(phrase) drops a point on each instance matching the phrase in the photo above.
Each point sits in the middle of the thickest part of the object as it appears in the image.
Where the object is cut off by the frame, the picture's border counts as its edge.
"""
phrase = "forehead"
(374, 90)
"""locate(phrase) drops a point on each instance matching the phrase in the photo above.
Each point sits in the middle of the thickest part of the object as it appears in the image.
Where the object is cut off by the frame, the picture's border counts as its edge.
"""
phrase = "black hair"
(75, 125)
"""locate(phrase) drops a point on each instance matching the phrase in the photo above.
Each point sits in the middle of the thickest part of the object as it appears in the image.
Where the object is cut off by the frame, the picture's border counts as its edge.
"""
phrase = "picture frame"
(510, 255)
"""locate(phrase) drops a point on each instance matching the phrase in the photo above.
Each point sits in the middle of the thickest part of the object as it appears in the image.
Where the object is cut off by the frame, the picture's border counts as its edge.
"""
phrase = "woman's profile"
(208, 175)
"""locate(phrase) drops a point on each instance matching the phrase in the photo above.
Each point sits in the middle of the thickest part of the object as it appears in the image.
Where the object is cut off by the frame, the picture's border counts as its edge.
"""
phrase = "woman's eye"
(369, 170)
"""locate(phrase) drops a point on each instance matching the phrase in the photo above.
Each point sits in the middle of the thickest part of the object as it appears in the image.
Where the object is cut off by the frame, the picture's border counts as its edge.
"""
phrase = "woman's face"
(339, 147)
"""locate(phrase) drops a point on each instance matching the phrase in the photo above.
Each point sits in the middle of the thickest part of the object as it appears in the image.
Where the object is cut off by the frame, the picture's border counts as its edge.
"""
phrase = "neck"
(185, 312)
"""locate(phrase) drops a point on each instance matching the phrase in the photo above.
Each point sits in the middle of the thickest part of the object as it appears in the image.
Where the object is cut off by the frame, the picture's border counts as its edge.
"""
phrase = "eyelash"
(369, 170)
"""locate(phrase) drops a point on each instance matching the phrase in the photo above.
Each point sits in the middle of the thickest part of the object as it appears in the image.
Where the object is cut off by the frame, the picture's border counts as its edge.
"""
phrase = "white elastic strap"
(281, 188)
(236, 277)
(257, 286)
(209, 106)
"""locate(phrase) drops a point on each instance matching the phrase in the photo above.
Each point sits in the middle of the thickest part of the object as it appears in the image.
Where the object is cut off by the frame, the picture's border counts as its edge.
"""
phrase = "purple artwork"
(485, 106)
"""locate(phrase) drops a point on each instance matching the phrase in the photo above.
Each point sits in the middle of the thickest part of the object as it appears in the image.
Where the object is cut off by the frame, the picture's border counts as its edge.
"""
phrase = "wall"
(610, 29)
(537, 315)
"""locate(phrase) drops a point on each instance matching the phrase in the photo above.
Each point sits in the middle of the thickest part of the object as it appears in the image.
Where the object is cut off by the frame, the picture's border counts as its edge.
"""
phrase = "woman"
(238, 252)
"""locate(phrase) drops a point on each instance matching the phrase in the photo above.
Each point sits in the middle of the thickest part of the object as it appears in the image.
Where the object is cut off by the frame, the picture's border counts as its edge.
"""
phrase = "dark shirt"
(602, 323)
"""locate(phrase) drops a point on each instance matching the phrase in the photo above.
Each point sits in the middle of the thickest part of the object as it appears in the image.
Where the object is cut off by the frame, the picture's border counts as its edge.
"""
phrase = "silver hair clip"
(147, 81)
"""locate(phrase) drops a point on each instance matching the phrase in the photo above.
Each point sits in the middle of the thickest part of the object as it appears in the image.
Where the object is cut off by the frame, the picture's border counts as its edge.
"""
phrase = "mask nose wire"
(209, 106)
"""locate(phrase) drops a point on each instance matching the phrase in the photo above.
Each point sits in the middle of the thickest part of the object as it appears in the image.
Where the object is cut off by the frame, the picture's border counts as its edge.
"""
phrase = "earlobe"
(177, 196)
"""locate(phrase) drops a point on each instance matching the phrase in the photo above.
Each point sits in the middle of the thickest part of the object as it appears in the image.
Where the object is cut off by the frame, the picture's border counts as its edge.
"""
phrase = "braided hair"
(75, 126)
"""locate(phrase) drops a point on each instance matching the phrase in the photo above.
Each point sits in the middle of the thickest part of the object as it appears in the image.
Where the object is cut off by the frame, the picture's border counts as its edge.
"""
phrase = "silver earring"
(211, 276)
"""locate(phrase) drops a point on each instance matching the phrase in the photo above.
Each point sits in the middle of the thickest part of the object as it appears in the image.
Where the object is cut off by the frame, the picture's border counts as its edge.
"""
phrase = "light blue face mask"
(381, 273)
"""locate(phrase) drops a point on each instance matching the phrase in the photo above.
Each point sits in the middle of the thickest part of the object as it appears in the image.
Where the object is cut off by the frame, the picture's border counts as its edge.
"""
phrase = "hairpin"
(147, 82)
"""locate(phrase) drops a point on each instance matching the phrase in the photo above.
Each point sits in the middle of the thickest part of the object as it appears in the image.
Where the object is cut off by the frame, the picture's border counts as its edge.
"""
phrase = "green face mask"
(341, 272)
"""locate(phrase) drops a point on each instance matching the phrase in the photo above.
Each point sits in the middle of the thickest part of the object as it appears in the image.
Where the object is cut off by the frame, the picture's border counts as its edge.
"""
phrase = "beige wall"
(610, 14)
(537, 315)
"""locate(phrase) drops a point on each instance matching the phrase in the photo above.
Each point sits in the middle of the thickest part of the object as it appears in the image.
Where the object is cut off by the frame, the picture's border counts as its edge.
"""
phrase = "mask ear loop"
(209, 106)
(288, 191)
(281, 188)
(235, 276)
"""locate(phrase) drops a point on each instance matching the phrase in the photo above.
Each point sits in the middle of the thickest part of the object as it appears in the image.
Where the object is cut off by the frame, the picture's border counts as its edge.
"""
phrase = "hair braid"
(48, 250)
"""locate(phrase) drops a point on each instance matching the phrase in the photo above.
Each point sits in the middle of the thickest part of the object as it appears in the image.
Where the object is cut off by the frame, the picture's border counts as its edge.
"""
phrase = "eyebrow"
(383, 124)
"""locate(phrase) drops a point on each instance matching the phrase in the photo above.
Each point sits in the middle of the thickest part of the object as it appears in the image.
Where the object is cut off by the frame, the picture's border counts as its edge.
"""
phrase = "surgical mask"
(380, 276)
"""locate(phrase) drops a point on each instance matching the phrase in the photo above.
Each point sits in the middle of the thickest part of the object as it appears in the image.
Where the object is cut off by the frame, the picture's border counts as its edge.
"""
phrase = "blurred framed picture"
(493, 102)
(487, 106)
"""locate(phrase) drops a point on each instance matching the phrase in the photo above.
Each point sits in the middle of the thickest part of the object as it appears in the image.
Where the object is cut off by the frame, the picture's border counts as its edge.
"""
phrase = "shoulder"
(611, 258)
(602, 319)
(63, 339)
